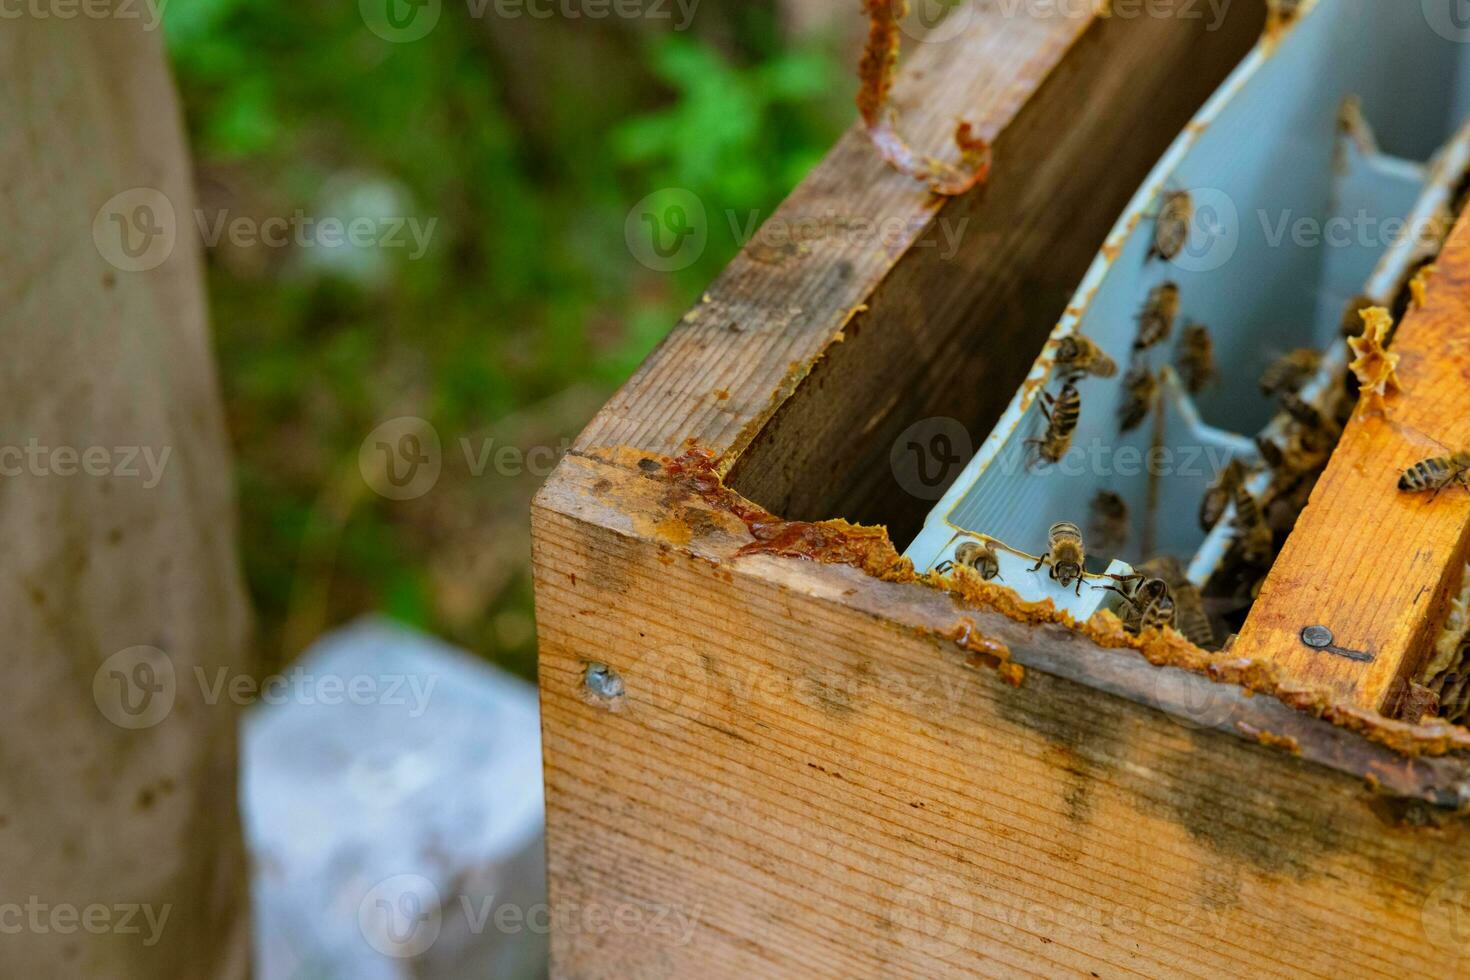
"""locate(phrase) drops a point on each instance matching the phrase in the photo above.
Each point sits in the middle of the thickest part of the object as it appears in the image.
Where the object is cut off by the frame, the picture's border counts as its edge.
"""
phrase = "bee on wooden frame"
(1437, 474)
(1066, 554)
(1061, 414)
(1150, 606)
(977, 555)
(1190, 617)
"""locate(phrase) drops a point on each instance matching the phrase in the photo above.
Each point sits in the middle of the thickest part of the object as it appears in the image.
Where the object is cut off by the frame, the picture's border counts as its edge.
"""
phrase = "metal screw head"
(603, 681)
(1317, 636)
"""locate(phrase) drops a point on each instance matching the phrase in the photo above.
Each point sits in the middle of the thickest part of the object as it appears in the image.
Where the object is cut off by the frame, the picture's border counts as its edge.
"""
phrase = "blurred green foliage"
(523, 314)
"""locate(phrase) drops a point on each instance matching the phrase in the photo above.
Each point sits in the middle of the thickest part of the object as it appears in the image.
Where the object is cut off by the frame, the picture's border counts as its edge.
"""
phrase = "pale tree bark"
(120, 847)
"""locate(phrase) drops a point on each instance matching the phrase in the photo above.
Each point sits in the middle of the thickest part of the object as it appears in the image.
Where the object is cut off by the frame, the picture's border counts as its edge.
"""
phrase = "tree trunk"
(120, 845)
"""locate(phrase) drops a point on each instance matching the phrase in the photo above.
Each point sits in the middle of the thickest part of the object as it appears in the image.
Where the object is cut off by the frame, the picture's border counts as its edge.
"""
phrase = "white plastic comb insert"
(1298, 209)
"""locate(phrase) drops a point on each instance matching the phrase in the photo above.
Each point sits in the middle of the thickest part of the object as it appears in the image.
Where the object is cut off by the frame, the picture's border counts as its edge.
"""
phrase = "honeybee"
(980, 557)
(1218, 496)
(1066, 554)
(1108, 527)
(1140, 390)
(1289, 372)
(1289, 498)
(1196, 357)
(1078, 355)
(1150, 606)
(1061, 414)
(1302, 411)
(1436, 474)
(1190, 616)
(1171, 227)
(1156, 320)
(1272, 453)
(1253, 538)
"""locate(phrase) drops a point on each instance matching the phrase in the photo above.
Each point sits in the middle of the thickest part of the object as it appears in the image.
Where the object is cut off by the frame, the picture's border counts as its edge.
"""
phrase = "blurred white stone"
(393, 808)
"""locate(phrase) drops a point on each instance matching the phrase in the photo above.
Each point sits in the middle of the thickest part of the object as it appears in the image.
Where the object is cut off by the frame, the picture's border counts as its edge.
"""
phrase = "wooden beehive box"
(770, 751)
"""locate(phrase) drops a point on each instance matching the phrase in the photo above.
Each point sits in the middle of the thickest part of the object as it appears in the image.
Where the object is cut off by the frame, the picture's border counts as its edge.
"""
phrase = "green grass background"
(528, 142)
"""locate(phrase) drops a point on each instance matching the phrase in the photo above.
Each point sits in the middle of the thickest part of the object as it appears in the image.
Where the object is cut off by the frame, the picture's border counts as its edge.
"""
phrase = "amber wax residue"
(695, 472)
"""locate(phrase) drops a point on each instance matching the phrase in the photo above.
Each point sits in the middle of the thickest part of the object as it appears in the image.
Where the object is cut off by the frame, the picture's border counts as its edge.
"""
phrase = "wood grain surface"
(803, 777)
(1372, 564)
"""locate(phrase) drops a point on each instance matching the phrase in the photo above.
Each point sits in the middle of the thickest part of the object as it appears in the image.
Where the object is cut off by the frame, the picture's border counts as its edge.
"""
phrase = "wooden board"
(1000, 262)
(804, 777)
(1373, 565)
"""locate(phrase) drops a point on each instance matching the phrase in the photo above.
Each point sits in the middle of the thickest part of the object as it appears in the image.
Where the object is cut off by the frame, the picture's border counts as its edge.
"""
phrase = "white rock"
(393, 809)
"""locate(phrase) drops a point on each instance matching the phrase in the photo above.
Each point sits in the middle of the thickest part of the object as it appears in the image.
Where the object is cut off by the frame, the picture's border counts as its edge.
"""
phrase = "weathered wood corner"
(764, 766)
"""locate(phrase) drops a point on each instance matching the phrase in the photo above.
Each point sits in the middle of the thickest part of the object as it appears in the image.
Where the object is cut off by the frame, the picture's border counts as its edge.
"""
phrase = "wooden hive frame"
(761, 764)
